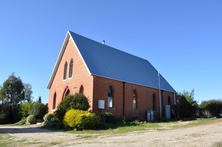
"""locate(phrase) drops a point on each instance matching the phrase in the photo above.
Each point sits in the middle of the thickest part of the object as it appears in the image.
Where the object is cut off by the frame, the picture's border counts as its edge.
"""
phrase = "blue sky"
(181, 39)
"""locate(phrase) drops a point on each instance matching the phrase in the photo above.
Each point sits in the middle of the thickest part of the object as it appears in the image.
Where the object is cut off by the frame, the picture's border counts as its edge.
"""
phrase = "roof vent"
(103, 42)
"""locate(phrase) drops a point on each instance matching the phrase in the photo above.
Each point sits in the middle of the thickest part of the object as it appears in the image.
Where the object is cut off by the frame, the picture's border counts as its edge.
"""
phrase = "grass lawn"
(5, 140)
(121, 129)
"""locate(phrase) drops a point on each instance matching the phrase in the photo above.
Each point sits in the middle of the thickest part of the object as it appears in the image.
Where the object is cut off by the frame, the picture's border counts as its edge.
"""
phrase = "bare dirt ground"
(204, 135)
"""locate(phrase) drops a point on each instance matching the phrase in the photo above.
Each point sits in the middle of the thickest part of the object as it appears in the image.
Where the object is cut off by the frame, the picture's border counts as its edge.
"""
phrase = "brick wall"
(144, 98)
(80, 77)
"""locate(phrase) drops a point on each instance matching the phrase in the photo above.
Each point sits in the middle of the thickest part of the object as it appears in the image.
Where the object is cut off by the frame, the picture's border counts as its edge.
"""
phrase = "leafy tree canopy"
(28, 92)
(186, 105)
(12, 92)
(214, 106)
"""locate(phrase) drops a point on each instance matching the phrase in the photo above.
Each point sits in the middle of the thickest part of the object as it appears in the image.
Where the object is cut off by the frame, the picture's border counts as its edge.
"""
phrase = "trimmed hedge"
(80, 119)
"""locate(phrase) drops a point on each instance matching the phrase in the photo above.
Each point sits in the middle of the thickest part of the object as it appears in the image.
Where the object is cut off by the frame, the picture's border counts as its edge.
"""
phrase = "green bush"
(52, 121)
(77, 101)
(47, 117)
(120, 119)
(80, 119)
(214, 106)
(25, 109)
(31, 119)
(39, 110)
(50, 117)
(107, 117)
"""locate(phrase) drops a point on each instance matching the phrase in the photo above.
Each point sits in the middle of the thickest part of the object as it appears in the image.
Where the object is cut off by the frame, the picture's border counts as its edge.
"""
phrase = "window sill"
(64, 80)
(111, 109)
(53, 110)
(70, 78)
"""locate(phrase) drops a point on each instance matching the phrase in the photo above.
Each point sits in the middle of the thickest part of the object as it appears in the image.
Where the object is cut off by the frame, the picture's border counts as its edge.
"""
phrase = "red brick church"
(128, 85)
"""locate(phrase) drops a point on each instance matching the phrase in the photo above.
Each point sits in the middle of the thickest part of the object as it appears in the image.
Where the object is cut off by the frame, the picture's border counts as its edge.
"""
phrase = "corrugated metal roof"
(105, 61)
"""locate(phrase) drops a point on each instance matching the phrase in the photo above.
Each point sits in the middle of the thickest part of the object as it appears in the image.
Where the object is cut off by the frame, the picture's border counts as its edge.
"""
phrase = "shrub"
(80, 119)
(186, 105)
(39, 110)
(31, 119)
(47, 117)
(108, 117)
(25, 109)
(77, 101)
(214, 106)
(50, 117)
(134, 123)
(52, 121)
(120, 119)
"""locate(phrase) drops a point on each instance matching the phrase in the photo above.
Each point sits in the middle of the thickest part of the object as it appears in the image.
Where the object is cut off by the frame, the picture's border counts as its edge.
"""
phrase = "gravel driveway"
(205, 135)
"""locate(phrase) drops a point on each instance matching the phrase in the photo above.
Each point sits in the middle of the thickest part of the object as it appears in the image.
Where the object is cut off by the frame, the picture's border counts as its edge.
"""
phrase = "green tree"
(214, 106)
(26, 108)
(28, 92)
(186, 105)
(40, 99)
(39, 110)
(12, 94)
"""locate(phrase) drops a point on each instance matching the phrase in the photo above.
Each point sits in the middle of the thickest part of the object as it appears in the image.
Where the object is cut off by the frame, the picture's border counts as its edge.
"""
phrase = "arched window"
(169, 101)
(110, 97)
(81, 90)
(154, 102)
(66, 92)
(65, 71)
(134, 100)
(54, 102)
(71, 69)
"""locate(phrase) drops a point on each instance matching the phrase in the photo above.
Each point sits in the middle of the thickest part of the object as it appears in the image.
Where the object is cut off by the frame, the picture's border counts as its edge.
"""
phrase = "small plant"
(206, 113)
(134, 123)
(80, 119)
(31, 119)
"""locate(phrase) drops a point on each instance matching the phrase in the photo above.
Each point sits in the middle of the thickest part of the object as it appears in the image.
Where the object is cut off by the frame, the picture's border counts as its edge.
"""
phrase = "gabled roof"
(105, 61)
